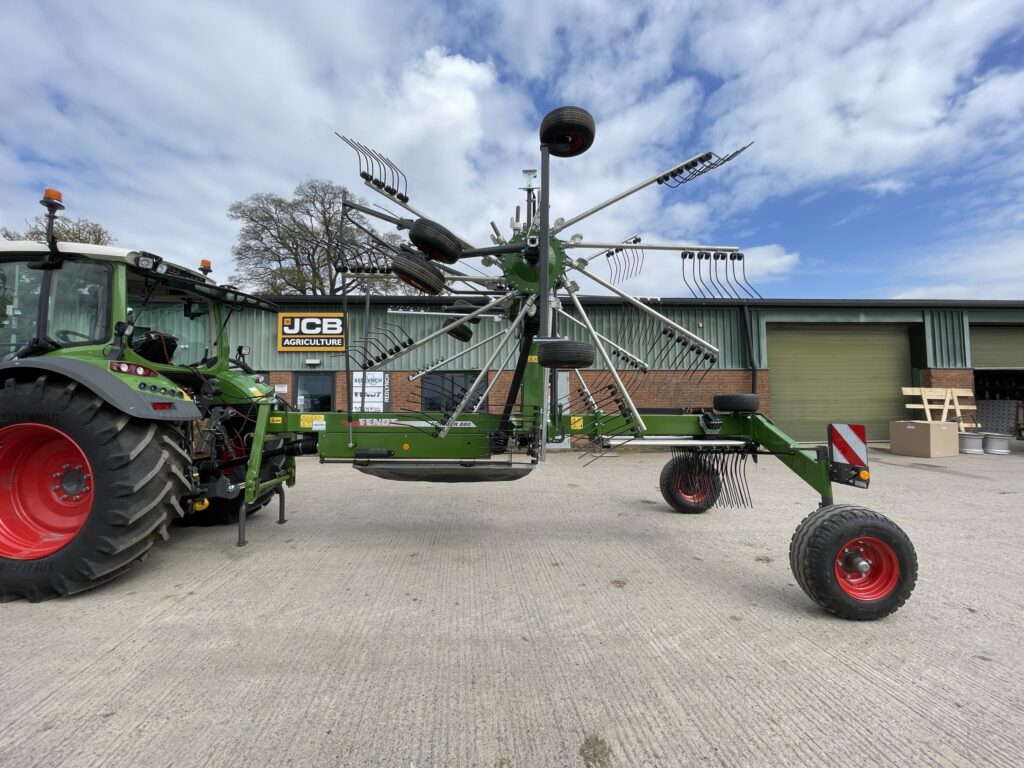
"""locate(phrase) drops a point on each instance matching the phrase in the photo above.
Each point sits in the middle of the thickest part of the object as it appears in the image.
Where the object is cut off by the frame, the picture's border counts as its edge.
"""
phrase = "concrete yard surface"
(567, 619)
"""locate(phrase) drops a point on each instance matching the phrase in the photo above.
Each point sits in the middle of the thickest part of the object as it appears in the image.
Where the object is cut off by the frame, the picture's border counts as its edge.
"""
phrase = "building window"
(442, 392)
(314, 392)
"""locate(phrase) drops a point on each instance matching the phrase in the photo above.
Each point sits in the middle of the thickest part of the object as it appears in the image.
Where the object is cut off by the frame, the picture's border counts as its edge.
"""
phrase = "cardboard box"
(929, 439)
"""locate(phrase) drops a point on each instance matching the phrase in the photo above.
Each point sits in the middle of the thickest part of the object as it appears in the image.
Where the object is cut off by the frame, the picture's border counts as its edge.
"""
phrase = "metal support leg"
(281, 520)
(242, 512)
(822, 452)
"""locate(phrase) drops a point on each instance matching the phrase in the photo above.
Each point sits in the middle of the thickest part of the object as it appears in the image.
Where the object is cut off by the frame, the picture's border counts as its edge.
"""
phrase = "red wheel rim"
(883, 568)
(692, 486)
(414, 283)
(46, 490)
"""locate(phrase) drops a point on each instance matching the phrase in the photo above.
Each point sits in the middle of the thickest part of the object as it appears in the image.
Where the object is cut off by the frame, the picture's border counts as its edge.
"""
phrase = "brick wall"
(283, 377)
(656, 389)
(405, 395)
(673, 389)
(948, 377)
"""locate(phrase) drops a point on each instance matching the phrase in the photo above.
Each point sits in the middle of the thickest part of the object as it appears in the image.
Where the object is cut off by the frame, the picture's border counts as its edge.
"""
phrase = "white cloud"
(971, 269)
(769, 263)
(884, 187)
(154, 118)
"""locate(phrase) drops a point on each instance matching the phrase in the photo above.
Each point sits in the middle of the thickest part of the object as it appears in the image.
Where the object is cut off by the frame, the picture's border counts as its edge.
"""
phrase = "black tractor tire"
(743, 402)
(569, 131)
(461, 332)
(690, 485)
(565, 354)
(434, 240)
(823, 555)
(413, 269)
(133, 477)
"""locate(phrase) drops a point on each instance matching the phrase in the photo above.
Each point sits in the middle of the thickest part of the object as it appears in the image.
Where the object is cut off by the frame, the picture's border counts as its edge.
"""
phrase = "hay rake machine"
(518, 301)
(214, 441)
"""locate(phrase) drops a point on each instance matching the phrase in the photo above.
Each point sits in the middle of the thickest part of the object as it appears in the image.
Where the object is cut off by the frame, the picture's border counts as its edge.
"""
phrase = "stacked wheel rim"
(46, 490)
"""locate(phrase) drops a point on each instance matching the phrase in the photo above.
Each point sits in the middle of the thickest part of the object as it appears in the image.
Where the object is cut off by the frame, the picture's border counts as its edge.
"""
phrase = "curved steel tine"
(354, 145)
(742, 261)
(724, 258)
(389, 177)
(698, 275)
(399, 177)
(377, 181)
(718, 257)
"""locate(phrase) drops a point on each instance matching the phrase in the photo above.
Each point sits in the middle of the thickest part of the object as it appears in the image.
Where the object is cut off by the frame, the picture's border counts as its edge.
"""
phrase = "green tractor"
(121, 410)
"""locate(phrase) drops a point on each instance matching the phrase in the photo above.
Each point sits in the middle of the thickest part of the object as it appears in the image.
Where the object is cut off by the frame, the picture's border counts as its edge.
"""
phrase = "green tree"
(302, 245)
(65, 229)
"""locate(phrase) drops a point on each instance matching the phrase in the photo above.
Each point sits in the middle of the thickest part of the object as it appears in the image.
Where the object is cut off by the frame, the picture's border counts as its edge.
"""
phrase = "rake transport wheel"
(562, 353)
(461, 332)
(690, 485)
(415, 270)
(569, 131)
(853, 562)
(435, 241)
(84, 489)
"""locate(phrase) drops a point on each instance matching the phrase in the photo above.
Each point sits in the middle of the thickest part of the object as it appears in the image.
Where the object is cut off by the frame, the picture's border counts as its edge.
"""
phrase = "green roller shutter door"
(997, 346)
(845, 374)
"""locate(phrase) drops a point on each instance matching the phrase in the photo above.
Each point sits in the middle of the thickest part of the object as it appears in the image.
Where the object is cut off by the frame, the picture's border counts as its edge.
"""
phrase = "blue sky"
(889, 141)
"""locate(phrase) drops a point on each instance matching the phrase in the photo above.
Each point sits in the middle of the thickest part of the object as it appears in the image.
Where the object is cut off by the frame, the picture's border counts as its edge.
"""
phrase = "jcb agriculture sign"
(310, 331)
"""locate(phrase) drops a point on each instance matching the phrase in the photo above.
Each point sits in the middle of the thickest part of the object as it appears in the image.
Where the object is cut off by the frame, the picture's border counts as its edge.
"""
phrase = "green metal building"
(812, 362)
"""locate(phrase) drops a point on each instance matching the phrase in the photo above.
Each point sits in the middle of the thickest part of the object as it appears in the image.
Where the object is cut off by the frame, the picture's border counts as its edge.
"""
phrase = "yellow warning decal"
(532, 359)
(308, 420)
(575, 423)
(277, 419)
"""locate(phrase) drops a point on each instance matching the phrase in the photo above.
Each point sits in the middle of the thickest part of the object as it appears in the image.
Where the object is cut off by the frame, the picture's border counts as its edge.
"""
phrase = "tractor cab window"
(171, 326)
(64, 307)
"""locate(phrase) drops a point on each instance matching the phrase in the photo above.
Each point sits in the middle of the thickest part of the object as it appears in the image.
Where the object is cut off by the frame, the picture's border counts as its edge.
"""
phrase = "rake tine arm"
(640, 305)
(508, 333)
(657, 178)
(608, 361)
(461, 321)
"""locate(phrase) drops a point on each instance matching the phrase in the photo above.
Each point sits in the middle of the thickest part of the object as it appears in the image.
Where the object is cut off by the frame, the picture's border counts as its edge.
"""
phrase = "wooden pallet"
(945, 400)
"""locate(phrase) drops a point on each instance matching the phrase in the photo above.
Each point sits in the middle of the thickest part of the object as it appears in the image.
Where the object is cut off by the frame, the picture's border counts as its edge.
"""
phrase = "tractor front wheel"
(84, 489)
(853, 562)
(690, 485)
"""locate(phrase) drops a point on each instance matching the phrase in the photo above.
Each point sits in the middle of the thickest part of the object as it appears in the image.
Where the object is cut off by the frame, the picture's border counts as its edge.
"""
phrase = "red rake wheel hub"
(692, 487)
(46, 490)
(867, 568)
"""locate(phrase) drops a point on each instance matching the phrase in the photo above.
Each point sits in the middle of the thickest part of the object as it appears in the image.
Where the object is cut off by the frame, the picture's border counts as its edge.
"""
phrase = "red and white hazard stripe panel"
(848, 444)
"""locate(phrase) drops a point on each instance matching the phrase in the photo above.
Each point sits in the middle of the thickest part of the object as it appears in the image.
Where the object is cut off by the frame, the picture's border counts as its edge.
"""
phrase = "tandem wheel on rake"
(853, 562)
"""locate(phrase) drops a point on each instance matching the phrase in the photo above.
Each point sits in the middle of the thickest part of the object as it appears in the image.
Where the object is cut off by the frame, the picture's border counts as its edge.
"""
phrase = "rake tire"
(138, 475)
(461, 332)
(565, 354)
(435, 241)
(742, 402)
(690, 485)
(821, 540)
(569, 131)
(415, 270)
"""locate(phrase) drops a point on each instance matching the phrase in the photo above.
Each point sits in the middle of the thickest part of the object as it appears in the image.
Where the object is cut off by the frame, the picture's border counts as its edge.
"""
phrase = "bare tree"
(302, 245)
(64, 229)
